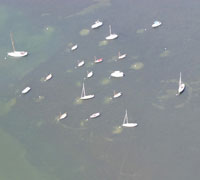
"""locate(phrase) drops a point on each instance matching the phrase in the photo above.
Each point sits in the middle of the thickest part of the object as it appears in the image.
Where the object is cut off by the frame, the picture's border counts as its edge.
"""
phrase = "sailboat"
(97, 24)
(48, 77)
(95, 115)
(111, 36)
(121, 56)
(126, 123)
(15, 53)
(89, 74)
(26, 90)
(116, 95)
(81, 63)
(74, 47)
(181, 86)
(156, 24)
(85, 97)
(97, 60)
(62, 116)
(117, 74)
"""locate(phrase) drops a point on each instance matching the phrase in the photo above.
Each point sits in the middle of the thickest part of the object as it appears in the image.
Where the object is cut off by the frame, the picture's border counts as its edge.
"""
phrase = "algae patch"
(84, 32)
(137, 66)
(5, 107)
(103, 43)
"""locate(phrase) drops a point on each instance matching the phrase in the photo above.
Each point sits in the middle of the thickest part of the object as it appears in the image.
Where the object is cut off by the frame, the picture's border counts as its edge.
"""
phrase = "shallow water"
(165, 145)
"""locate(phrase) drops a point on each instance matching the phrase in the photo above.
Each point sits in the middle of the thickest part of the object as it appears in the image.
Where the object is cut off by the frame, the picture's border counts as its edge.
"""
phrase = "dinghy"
(97, 24)
(126, 123)
(121, 56)
(48, 77)
(15, 53)
(89, 74)
(74, 47)
(81, 63)
(116, 95)
(84, 96)
(95, 115)
(117, 74)
(26, 90)
(111, 36)
(97, 60)
(156, 24)
(62, 116)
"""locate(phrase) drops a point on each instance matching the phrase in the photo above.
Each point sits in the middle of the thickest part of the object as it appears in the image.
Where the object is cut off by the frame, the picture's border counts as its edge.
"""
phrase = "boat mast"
(12, 41)
(126, 118)
(180, 79)
(83, 91)
(110, 29)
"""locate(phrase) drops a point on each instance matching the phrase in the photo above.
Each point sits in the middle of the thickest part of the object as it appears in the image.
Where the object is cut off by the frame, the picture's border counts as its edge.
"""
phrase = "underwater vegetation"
(105, 81)
(137, 66)
(165, 53)
(39, 99)
(141, 31)
(107, 100)
(84, 32)
(117, 130)
(103, 43)
(6, 106)
(78, 101)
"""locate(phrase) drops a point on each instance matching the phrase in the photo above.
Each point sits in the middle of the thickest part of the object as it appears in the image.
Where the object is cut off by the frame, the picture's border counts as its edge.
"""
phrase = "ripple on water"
(84, 32)
(137, 66)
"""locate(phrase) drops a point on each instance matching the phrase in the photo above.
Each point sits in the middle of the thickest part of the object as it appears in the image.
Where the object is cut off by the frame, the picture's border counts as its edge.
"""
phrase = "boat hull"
(112, 36)
(97, 25)
(18, 53)
(181, 88)
(87, 97)
(117, 95)
(117, 74)
(95, 115)
(26, 90)
(156, 24)
(129, 124)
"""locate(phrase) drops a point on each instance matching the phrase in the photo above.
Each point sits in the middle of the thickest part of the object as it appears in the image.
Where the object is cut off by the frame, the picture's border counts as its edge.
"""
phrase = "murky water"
(34, 145)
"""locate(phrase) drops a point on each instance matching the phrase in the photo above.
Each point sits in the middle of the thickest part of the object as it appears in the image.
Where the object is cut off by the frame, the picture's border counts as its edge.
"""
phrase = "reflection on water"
(78, 147)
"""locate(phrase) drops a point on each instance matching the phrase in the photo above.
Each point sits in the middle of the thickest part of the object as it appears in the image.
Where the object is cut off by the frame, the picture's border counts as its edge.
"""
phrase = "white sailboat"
(111, 36)
(156, 24)
(97, 60)
(81, 63)
(97, 24)
(121, 56)
(116, 95)
(126, 123)
(84, 96)
(15, 53)
(26, 90)
(48, 77)
(117, 74)
(62, 116)
(89, 74)
(181, 86)
(95, 115)
(74, 47)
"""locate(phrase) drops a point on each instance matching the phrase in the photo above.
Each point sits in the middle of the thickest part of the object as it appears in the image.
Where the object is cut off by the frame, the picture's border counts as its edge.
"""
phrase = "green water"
(34, 145)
